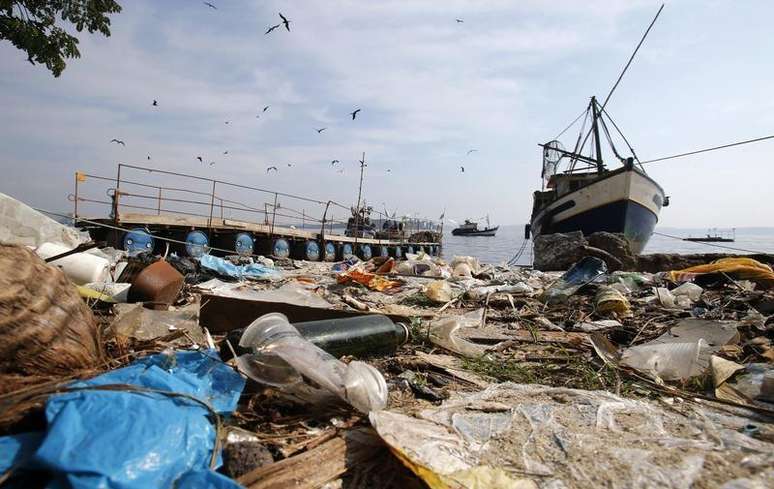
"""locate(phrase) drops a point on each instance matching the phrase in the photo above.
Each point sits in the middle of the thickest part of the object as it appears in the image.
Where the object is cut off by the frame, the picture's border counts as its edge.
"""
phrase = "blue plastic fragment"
(228, 269)
(124, 439)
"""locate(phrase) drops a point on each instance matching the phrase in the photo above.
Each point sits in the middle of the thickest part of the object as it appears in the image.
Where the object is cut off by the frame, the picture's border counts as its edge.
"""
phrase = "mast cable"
(631, 58)
(738, 143)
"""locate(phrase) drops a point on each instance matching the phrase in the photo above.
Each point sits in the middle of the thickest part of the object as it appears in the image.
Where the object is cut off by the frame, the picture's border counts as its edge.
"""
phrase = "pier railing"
(152, 191)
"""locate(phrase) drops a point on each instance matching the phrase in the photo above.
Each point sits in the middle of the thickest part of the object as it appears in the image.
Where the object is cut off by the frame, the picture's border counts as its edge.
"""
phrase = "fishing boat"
(470, 228)
(588, 196)
(716, 237)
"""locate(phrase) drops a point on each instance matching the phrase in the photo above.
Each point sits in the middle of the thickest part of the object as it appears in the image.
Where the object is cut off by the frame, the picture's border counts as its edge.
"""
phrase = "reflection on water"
(506, 243)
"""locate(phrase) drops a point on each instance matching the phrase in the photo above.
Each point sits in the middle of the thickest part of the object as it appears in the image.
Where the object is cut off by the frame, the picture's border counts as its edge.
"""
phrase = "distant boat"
(470, 228)
(713, 238)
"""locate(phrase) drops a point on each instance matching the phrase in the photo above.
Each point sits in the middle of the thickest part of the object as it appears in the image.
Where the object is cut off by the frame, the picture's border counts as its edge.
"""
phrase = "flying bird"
(354, 114)
(148, 157)
(118, 141)
(155, 103)
(266, 108)
(212, 163)
(463, 169)
(228, 122)
(271, 168)
(319, 131)
(225, 152)
(200, 159)
(333, 162)
(388, 170)
(459, 21)
(268, 31)
(210, 5)
(471, 151)
(290, 164)
(285, 21)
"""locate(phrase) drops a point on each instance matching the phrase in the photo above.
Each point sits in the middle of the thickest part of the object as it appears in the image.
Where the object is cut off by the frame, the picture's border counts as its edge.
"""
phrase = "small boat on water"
(713, 238)
(470, 228)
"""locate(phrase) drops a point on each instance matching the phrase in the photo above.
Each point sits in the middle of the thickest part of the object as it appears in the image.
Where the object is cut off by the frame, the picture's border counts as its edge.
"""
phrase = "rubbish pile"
(120, 368)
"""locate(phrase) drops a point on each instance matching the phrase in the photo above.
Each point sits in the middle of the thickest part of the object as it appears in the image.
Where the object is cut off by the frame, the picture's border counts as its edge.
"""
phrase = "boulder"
(616, 245)
(558, 251)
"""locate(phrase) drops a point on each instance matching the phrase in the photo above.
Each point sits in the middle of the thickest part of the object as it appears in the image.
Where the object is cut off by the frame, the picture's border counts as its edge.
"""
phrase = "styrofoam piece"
(81, 268)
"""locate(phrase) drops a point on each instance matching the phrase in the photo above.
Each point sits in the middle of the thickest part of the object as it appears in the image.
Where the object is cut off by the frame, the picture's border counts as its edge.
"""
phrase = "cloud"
(512, 75)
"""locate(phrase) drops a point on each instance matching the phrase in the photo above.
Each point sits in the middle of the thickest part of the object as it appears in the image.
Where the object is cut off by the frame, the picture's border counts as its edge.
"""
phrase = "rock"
(558, 251)
(616, 245)
(243, 452)
(45, 327)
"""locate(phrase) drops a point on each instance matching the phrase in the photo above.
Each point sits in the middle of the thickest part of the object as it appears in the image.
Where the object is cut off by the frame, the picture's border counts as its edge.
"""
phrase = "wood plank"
(315, 467)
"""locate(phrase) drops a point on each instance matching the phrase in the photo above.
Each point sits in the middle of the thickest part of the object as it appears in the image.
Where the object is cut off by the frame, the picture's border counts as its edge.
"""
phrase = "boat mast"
(595, 129)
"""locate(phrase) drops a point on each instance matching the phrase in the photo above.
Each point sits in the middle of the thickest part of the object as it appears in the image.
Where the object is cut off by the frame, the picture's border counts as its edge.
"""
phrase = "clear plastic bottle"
(280, 356)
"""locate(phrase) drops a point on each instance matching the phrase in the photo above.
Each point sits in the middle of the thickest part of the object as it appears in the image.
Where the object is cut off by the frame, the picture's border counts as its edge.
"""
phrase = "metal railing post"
(274, 213)
(212, 207)
(158, 211)
(117, 194)
(75, 201)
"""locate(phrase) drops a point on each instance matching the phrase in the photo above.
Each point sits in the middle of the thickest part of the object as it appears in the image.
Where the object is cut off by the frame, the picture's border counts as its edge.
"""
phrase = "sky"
(512, 75)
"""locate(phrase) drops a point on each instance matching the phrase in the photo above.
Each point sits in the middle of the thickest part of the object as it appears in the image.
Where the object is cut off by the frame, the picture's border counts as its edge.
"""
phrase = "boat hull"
(624, 201)
(475, 232)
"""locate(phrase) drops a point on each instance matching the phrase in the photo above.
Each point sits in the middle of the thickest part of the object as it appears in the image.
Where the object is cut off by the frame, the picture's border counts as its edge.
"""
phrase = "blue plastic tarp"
(226, 268)
(126, 440)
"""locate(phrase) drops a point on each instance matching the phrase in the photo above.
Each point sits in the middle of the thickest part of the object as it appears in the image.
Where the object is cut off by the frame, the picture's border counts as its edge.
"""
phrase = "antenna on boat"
(597, 111)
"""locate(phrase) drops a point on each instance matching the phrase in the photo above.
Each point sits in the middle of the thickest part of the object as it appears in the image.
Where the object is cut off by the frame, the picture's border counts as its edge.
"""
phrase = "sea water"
(508, 240)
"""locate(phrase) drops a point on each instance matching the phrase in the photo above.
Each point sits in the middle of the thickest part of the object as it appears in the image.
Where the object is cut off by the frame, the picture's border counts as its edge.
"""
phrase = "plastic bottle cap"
(365, 388)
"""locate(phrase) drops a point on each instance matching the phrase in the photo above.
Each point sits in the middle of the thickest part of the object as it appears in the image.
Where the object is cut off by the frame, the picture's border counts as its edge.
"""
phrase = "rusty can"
(157, 285)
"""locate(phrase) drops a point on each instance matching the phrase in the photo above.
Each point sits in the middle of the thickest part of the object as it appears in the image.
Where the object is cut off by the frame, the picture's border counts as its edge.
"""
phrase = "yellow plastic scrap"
(370, 280)
(739, 268)
(609, 299)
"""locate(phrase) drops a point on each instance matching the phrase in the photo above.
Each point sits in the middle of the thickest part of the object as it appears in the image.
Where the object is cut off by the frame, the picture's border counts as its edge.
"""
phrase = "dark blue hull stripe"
(633, 220)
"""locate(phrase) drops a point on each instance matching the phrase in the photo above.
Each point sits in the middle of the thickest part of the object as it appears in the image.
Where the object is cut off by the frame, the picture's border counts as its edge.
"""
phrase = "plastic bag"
(223, 267)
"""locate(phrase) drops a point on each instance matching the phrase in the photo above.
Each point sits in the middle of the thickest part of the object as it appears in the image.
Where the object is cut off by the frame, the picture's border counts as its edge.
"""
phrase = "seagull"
(471, 151)
(200, 159)
(228, 122)
(271, 168)
(210, 5)
(268, 31)
(388, 170)
(319, 131)
(148, 157)
(118, 141)
(459, 21)
(285, 21)
(354, 114)
(333, 162)
(266, 108)
(463, 169)
(212, 163)
(155, 103)
(225, 152)
(290, 164)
